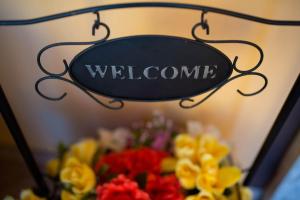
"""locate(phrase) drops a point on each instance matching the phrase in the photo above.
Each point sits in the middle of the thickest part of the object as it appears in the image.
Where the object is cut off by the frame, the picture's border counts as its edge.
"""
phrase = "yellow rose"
(65, 195)
(203, 195)
(29, 195)
(52, 167)
(84, 151)
(186, 171)
(209, 163)
(217, 183)
(168, 164)
(185, 146)
(210, 144)
(79, 175)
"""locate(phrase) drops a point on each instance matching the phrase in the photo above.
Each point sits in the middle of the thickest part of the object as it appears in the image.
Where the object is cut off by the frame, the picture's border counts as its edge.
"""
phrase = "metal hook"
(97, 23)
(204, 23)
(66, 67)
(234, 64)
(114, 104)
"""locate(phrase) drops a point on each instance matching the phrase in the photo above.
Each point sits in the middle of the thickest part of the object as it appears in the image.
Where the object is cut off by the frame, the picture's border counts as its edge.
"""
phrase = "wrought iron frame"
(116, 104)
(12, 122)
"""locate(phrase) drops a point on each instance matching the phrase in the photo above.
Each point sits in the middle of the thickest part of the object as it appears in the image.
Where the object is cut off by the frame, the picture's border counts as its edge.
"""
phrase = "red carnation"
(121, 188)
(163, 188)
(132, 162)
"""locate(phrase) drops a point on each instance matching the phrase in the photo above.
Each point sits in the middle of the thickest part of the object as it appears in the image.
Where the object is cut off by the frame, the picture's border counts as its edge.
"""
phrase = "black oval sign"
(150, 68)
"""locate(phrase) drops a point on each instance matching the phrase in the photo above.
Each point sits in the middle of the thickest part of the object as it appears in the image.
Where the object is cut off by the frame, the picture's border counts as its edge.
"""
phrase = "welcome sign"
(150, 68)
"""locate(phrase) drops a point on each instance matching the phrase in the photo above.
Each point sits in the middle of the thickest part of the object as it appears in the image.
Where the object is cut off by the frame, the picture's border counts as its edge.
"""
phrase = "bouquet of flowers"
(152, 160)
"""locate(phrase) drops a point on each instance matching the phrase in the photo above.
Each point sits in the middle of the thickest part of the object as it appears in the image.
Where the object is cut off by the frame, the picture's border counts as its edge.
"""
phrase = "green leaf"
(141, 179)
(147, 143)
(67, 187)
(103, 169)
(96, 156)
(174, 134)
(111, 176)
(61, 150)
(227, 192)
(89, 195)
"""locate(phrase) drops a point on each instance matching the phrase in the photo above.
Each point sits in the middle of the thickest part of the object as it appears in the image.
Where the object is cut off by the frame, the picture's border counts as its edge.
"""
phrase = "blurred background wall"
(243, 121)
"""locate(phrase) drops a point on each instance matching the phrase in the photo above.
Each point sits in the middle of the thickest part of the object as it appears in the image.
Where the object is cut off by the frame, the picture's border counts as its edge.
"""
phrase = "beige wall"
(244, 121)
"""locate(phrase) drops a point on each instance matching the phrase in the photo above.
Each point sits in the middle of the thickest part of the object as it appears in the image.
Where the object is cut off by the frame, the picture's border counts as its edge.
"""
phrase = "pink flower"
(161, 140)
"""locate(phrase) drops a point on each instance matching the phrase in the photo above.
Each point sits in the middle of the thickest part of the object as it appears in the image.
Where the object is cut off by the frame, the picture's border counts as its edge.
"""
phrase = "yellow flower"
(168, 164)
(185, 146)
(209, 163)
(79, 175)
(65, 195)
(84, 151)
(209, 169)
(29, 195)
(187, 171)
(52, 167)
(224, 178)
(203, 195)
(246, 194)
(210, 144)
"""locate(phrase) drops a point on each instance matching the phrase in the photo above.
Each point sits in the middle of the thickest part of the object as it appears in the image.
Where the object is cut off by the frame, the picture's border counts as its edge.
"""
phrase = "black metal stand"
(268, 148)
(21, 143)
(276, 144)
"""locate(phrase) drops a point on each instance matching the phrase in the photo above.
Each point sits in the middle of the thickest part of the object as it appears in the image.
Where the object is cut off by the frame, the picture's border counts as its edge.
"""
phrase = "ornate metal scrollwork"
(114, 104)
(190, 103)
(117, 103)
(203, 24)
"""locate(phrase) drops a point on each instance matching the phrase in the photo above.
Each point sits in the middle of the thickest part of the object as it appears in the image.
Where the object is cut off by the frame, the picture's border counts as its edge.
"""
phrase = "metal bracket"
(190, 103)
(114, 104)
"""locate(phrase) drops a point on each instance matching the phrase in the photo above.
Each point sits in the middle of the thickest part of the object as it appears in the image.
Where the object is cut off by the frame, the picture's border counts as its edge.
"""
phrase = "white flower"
(213, 130)
(115, 140)
(194, 128)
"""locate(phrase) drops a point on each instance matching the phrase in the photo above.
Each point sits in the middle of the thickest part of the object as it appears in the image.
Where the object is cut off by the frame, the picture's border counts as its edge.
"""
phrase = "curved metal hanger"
(150, 4)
